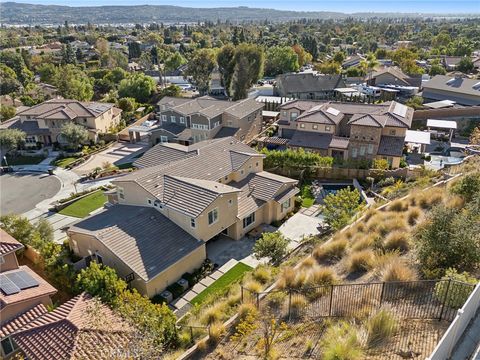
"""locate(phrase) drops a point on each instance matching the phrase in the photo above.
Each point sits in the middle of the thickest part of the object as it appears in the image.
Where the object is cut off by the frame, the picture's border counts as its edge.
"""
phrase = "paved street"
(20, 192)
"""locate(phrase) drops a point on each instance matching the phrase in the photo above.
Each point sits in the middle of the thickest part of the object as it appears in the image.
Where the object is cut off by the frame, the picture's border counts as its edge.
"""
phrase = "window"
(172, 119)
(193, 223)
(241, 172)
(362, 150)
(286, 205)
(164, 117)
(163, 139)
(229, 122)
(284, 114)
(121, 195)
(213, 216)
(158, 204)
(302, 126)
(393, 132)
(149, 201)
(256, 164)
(249, 220)
(216, 124)
(2, 260)
(354, 152)
(293, 115)
(30, 140)
(226, 178)
(230, 202)
(163, 107)
(84, 120)
(370, 149)
(7, 346)
(328, 128)
(182, 120)
(99, 258)
(315, 127)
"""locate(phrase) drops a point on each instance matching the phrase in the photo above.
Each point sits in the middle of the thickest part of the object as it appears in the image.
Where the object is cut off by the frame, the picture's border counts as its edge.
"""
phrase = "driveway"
(119, 153)
(21, 192)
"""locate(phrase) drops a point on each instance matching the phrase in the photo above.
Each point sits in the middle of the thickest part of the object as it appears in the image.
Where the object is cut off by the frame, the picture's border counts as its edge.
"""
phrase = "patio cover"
(441, 124)
(417, 137)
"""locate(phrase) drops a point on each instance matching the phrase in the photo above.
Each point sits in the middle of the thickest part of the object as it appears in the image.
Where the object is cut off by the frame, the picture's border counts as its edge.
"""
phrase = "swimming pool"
(333, 188)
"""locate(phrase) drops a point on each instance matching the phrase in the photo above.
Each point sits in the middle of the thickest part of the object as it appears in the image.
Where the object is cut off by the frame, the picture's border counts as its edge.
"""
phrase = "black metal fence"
(423, 299)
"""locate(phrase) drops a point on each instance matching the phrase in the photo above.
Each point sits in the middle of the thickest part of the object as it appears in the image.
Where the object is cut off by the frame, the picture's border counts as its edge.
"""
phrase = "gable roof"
(64, 109)
(81, 328)
(391, 145)
(456, 85)
(141, 237)
(21, 320)
(394, 71)
(8, 243)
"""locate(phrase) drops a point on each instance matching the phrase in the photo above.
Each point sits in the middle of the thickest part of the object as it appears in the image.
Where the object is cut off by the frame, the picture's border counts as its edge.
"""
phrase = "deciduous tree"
(339, 208)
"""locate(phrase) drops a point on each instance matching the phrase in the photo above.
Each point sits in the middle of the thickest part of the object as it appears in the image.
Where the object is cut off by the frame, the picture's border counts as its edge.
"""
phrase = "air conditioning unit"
(167, 295)
(183, 283)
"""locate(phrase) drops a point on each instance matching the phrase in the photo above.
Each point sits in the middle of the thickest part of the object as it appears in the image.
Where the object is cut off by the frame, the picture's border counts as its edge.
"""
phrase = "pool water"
(333, 188)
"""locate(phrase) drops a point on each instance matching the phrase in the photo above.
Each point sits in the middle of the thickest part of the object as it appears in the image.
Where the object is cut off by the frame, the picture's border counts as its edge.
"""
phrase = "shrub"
(363, 260)
(287, 278)
(397, 240)
(190, 278)
(262, 274)
(430, 198)
(333, 250)
(246, 309)
(308, 263)
(397, 270)
(276, 299)
(234, 299)
(298, 303)
(380, 327)
(360, 227)
(454, 201)
(215, 332)
(340, 207)
(413, 215)
(202, 346)
(368, 214)
(341, 342)
(386, 182)
(272, 245)
(457, 293)
(212, 314)
(389, 225)
(323, 276)
(364, 241)
(467, 186)
(398, 206)
(253, 286)
(158, 299)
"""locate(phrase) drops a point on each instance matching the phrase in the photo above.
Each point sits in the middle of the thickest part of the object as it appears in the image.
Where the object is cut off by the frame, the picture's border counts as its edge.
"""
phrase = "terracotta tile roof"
(81, 328)
(8, 243)
(43, 289)
(22, 320)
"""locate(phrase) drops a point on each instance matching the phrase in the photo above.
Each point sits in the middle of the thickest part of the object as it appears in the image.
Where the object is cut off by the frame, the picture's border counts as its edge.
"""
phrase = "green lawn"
(222, 282)
(86, 205)
(23, 160)
(64, 162)
(307, 196)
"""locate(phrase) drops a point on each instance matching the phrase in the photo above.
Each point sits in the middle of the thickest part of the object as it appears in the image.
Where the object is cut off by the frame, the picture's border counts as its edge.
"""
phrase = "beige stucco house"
(347, 131)
(43, 123)
(179, 199)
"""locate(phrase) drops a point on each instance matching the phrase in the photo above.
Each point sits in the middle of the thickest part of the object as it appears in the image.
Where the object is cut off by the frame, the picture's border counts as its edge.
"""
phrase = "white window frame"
(163, 107)
(193, 223)
(250, 219)
(164, 117)
(328, 128)
(121, 194)
(214, 214)
(354, 152)
(173, 119)
(182, 120)
(362, 151)
(315, 127)
(302, 126)
(370, 149)
(163, 138)
(149, 201)
(293, 115)
(284, 113)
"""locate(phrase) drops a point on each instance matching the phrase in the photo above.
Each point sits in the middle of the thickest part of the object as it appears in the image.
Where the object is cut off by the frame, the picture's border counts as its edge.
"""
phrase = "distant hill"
(17, 13)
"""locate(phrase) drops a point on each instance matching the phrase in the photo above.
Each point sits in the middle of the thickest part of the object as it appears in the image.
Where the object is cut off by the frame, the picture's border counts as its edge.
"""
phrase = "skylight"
(333, 111)
(400, 110)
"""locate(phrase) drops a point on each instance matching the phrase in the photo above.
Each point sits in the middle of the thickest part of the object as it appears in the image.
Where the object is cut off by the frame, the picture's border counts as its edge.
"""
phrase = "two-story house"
(347, 130)
(179, 199)
(188, 121)
(43, 122)
(23, 294)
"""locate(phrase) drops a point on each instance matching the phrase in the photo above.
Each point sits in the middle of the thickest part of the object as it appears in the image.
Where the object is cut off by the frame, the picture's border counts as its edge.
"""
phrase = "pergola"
(421, 138)
(451, 126)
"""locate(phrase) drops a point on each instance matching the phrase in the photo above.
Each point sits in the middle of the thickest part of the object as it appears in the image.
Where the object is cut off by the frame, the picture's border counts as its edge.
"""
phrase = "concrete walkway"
(300, 226)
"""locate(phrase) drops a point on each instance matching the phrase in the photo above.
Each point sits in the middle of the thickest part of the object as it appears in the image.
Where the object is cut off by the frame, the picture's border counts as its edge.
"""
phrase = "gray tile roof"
(308, 82)
(287, 194)
(391, 146)
(455, 85)
(311, 139)
(226, 132)
(339, 142)
(66, 109)
(162, 154)
(141, 237)
(29, 127)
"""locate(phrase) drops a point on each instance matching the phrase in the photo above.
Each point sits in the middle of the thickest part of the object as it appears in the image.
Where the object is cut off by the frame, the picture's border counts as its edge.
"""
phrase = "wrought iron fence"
(423, 299)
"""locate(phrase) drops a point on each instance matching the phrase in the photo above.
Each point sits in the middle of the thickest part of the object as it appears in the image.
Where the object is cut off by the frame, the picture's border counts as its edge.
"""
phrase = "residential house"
(353, 60)
(165, 214)
(81, 328)
(307, 85)
(392, 76)
(22, 293)
(347, 131)
(450, 63)
(188, 121)
(43, 122)
(461, 90)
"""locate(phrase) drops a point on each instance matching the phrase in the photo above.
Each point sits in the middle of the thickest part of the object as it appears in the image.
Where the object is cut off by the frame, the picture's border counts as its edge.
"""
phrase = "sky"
(351, 6)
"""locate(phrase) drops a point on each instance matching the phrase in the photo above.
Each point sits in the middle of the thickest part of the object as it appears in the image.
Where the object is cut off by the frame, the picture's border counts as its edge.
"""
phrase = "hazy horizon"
(351, 6)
